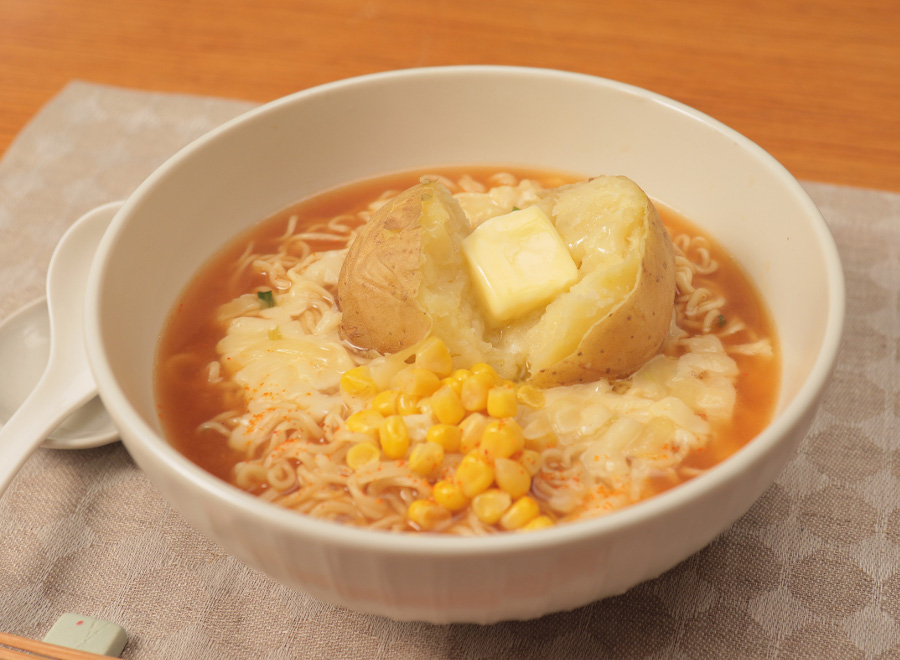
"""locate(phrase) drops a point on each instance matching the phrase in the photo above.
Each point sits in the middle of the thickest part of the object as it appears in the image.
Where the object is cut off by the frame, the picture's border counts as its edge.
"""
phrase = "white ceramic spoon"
(67, 382)
(24, 351)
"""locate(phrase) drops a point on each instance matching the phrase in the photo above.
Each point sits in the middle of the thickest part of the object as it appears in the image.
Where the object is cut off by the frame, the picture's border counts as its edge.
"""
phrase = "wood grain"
(814, 82)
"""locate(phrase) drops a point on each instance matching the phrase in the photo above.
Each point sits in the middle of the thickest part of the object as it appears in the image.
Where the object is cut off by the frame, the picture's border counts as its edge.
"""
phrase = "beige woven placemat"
(812, 571)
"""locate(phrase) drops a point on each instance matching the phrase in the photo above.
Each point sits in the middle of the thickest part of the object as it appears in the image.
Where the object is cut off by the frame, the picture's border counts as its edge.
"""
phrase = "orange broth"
(185, 399)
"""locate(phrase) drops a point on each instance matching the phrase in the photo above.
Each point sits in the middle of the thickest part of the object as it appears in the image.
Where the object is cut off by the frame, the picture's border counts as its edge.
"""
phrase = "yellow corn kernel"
(471, 428)
(365, 421)
(426, 457)
(537, 523)
(426, 515)
(385, 402)
(434, 356)
(531, 461)
(416, 381)
(407, 404)
(501, 438)
(455, 380)
(487, 370)
(490, 505)
(530, 396)
(446, 406)
(394, 437)
(474, 474)
(424, 406)
(511, 477)
(449, 495)
(502, 401)
(474, 391)
(358, 381)
(359, 455)
(523, 511)
(445, 435)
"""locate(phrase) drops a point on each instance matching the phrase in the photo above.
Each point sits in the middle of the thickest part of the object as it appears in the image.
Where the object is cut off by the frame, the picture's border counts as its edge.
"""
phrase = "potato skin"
(633, 331)
(381, 276)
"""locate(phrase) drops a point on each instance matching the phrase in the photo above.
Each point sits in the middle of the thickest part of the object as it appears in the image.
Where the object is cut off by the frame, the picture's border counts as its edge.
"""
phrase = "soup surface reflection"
(255, 384)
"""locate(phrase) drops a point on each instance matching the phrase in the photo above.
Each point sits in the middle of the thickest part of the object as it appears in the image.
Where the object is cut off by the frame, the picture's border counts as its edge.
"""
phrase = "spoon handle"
(31, 424)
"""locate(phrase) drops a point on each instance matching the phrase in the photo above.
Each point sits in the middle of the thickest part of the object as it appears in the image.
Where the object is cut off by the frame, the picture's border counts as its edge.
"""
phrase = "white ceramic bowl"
(329, 135)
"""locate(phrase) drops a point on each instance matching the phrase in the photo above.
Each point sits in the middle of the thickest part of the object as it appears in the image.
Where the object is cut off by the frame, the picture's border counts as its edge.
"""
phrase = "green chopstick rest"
(85, 633)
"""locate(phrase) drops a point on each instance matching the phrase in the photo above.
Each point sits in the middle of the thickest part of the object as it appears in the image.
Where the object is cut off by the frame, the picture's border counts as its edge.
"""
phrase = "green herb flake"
(720, 319)
(266, 298)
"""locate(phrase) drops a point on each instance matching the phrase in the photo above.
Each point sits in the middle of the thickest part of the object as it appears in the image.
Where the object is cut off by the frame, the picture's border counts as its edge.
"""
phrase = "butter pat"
(518, 263)
(86, 633)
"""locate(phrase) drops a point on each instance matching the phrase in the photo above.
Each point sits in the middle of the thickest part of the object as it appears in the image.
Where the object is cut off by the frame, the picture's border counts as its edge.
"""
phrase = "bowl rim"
(804, 401)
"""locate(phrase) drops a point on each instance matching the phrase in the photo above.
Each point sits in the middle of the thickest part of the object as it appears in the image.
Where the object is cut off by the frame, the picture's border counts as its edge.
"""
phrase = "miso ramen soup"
(256, 384)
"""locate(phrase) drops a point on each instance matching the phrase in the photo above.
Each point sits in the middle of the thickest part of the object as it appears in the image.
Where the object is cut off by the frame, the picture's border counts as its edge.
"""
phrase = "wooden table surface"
(815, 82)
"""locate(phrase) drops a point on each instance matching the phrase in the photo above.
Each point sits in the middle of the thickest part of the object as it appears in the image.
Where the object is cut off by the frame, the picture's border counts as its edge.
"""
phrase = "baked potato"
(406, 277)
(617, 316)
(382, 274)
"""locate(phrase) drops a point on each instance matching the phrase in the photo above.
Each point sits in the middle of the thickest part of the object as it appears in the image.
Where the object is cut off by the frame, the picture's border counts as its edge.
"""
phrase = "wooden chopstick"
(11, 654)
(37, 650)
